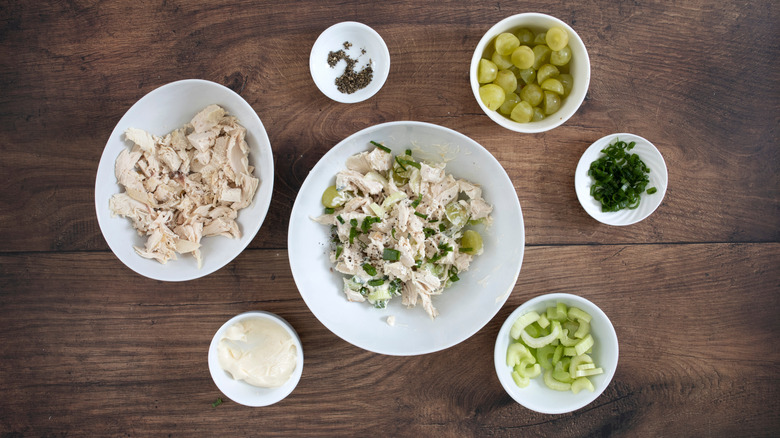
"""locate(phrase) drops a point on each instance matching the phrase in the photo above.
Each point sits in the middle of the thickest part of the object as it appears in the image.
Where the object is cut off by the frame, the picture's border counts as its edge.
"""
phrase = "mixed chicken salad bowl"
(406, 238)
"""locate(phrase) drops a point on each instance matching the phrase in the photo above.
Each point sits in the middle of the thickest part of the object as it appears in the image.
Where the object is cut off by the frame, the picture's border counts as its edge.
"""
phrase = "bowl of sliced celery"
(556, 353)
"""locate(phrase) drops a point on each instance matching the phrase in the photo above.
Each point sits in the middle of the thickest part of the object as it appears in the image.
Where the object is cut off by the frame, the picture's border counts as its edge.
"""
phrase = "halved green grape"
(532, 94)
(506, 80)
(457, 214)
(523, 57)
(557, 38)
(553, 85)
(527, 75)
(567, 81)
(552, 102)
(540, 38)
(546, 71)
(486, 71)
(510, 101)
(561, 57)
(523, 112)
(332, 198)
(471, 241)
(501, 61)
(541, 55)
(506, 43)
(526, 36)
(492, 96)
(538, 114)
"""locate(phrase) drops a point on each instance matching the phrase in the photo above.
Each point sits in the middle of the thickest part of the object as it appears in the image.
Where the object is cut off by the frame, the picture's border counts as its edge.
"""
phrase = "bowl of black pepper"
(349, 62)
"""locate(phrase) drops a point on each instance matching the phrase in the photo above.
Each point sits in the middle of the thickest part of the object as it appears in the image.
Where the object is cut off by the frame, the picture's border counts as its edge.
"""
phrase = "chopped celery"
(569, 351)
(575, 313)
(583, 331)
(576, 361)
(586, 373)
(543, 321)
(525, 320)
(520, 380)
(562, 312)
(584, 344)
(528, 369)
(544, 356)
(378, 210)
(560, 374)
(581, 383)
(516, 353)
(585, 366)
(533, 330)
(551, 383)
(558, 354)
(566, 341)
(544, 340)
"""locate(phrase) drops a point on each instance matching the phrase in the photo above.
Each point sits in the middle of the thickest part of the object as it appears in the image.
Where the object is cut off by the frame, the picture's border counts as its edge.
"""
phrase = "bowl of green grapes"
(530, 72)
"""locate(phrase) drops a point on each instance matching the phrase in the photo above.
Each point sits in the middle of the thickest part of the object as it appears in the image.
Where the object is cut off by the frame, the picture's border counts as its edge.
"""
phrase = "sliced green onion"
(651, 190)
(353, 232)
(466, 249)
(329, 210)
(376, 282)
(339, 250)
(340, 219)
(392, 233)
(391, 254)
(619, 177)
(415, 203)
(380, 146)
(400, 162)
(409, 152)
(424, 216)
(429, 232)
(370, 270)
(216, 403)
(353, 222)
(442, 227)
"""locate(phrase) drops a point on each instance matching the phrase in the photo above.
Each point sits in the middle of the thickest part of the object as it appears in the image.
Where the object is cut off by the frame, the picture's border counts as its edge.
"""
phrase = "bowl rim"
(648, 152)
(263, 164)
(298, 270)
(502, 342)
(381, 60)
(530, 127)
(240, 391)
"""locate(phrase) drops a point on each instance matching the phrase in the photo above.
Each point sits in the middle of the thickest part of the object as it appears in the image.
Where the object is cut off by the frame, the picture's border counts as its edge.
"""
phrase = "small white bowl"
(159, 112)
(579, 69)
(537, 396)
(244, 393)
(362, 38)
(648, 203)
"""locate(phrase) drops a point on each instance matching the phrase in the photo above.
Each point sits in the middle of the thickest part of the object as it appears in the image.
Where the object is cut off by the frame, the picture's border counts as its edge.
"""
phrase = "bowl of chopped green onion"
(621, 179)
(556, 353)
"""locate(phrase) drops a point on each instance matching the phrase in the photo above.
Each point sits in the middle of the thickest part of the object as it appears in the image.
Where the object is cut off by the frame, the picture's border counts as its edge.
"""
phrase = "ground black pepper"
(351, 81)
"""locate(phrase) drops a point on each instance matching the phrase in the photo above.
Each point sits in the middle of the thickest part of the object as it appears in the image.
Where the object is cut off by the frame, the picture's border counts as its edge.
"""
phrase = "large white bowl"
(537, 396)
(240, 391)
(465, 307)
(579, 69)
(658, 177)
(159, 112)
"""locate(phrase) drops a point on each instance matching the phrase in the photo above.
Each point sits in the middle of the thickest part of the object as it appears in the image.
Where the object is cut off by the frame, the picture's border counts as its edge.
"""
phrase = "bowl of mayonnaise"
(256, 358)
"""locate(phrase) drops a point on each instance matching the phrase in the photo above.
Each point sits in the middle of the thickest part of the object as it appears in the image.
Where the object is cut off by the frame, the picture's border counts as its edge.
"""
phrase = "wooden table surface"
(90, 348)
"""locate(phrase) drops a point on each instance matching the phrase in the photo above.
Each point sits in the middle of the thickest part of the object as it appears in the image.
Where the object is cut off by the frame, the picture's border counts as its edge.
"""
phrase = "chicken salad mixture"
(401, 227)
(186, 185)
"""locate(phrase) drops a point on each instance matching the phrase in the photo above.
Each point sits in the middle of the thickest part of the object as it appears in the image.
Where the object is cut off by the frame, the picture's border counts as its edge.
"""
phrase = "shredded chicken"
(186, 185)
(399, 225)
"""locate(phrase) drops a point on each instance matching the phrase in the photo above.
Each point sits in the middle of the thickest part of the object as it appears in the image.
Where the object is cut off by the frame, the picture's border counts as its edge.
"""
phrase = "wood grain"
(92, 349)
(91, 358)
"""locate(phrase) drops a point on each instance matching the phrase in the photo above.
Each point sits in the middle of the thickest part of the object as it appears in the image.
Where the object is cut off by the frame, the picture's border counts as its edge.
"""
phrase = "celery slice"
(586, 366)
(586, 373)
(552, 313)
(576, 361)
(575, 313)
(543, 321)
(562, 312)
(582, 383)
(520, 380)
(566, 341)
(583, 331)
(521, 323)
(569, 351)
(557, 355)
(560, 374)
(516, 353)
(544, 356)
(554, 384)
(378, 210)
(528, 369)
(544, 340)
(533, 330)
(584, 344)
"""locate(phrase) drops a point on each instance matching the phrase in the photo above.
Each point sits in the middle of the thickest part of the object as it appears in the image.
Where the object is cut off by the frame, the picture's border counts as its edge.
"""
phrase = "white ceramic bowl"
(240, 391)
(579, 69)
(648, 203)
(465, 307)
(159, 112)
(362, 38)
(537, 396)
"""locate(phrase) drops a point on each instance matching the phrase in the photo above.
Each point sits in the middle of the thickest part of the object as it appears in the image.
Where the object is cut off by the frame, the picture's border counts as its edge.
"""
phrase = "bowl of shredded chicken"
(185, 181)
(406, 238)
